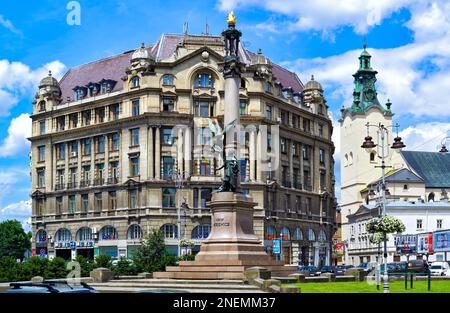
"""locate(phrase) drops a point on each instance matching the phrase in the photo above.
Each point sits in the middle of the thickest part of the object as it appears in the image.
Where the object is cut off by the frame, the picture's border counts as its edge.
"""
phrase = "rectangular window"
(73, 149)
(100, 115)
(419, 224)
(168, 163)
(205, 167)
(114, 111)
(87, 145)
(59, 205)
(243, 107)
(204, 108)
(135, 107)
(73, 120)
(100, 144)
(112, 200)
(133, 201)
(269, 112)
(86, 172)
(168, 104)
(61, 151)
(98, 201)
(439, 224)
(269, 141)
(41, 178)
(42, 127)
(307, 180)
(40, 207)
(167, 138)
(306, 151)
(168, 197)
(283, 145)
(114, 144)
(320, 130)
(86, 116)
(60, 177)
(306, 125)
(322, 156)
(134, 137)
(134, 166)
(205, 195)
(85, 203)
(99, 168)
(41, 153)
(72, 204)
(323, 185)
(114, 166)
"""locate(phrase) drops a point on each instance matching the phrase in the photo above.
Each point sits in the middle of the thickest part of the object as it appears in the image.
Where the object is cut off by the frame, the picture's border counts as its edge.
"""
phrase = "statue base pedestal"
(231, 247)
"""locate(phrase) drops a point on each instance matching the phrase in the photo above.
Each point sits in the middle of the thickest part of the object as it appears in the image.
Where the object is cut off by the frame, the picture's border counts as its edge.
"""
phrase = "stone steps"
(190, 290)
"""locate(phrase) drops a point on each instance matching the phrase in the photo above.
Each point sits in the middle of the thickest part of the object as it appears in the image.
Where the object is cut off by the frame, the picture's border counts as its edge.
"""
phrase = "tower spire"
(364, 42)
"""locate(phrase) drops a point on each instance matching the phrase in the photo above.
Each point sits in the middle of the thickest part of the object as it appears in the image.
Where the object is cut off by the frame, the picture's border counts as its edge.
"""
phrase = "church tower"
(358, 166)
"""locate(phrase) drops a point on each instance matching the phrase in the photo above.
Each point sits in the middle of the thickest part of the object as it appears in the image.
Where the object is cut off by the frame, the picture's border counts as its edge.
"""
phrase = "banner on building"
(406, 244)
(425, 243)
(441, 241)
(339, 249)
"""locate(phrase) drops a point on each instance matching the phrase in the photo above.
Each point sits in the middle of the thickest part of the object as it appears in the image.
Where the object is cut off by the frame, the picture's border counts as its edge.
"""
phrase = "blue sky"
(409, 41)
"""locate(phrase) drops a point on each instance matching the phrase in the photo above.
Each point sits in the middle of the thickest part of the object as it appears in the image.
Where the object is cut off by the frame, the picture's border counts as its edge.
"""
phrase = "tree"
(11, 271)
(103, 260)
(56, 268)
(13, 239)
(124, 267)
(151, 255)
(86, 266)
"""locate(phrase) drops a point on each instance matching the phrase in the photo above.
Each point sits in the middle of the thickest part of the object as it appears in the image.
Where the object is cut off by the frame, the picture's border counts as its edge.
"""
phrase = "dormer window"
(80, 93)
(107, 85)
(167, 80)
(94, 89)
(135, 82)
(268, 87)
(204, 81)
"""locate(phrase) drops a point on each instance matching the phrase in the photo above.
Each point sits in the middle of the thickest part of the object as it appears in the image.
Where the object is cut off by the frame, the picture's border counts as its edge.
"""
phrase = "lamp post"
(177, 177)
(368, 144)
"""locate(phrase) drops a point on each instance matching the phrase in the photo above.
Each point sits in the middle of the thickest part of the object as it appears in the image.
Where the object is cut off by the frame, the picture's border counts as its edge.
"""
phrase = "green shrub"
(56, 268)
(124, 267)
(187, 257)
(11, 271)
(103, 260)
(35, 266)
(86, 266)
(150, 256)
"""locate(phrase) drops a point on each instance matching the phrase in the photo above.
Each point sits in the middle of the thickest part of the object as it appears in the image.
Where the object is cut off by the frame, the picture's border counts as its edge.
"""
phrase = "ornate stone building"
(109, 136)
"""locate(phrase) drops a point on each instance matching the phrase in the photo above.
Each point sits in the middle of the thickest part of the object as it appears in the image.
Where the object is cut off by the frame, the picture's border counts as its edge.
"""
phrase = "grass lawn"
(440, 286)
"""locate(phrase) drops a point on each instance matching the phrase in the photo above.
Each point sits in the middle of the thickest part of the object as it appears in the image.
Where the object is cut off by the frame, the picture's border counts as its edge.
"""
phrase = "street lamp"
(177, 177)
(368, 144)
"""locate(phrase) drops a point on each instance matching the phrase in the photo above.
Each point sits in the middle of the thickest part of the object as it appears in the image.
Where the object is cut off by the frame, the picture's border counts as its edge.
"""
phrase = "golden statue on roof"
(231, 20)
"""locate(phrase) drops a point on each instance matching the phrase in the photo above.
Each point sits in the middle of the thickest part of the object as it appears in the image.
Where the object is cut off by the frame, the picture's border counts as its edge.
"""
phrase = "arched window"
(311, 235)
(169, 231)
(271, 232)
(322, 236)
(42, 106)
(285, 233)
(41, 236)
(108, 233)
(431, 197)
(204, 81)
(135, 81)
(201, 231)
(298, 234)
(167, 80)
(84, 233)
(134, 232)
(63, 234)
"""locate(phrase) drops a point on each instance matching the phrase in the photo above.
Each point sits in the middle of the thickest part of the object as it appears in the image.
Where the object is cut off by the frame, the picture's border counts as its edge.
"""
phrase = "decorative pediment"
(131, 184)
(38, 195)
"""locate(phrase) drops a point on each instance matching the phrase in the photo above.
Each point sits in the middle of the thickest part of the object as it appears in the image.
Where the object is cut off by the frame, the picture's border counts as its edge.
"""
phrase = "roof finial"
(49, 73)
(259, 51)
(142, 45)
(312, 77)
(231, 20)
(364, 42)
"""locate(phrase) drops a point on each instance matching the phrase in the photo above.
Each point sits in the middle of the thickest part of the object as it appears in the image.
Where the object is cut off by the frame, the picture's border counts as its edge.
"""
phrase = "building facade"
(109, 137)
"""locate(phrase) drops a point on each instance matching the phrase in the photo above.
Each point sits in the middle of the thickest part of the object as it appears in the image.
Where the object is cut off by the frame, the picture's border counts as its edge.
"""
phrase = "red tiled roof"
(114, 68)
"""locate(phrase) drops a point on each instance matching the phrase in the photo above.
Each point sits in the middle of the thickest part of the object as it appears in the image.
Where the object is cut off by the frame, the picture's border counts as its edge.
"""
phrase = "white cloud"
(20, 211)
(425, 136)
(9, 25)
(16, 141)
(324, 15)
(18, 80)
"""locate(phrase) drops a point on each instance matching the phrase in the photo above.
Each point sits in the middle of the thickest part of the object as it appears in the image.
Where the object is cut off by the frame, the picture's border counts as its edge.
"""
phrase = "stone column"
(259, 172)
(291, 163)
(143, 139)
(151, 161)
(187, 152)
(94, 176)
(252, 152)
(180, 151)
(301, 176)
(106, 167)
(66, 168)
(157, 154)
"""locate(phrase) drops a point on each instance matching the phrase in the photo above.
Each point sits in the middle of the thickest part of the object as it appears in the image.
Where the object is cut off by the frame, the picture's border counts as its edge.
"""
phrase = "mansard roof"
(114, 67)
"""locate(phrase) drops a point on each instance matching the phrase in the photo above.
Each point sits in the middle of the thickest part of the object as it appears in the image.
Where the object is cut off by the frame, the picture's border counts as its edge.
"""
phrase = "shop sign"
(425, 243)
(276, 246)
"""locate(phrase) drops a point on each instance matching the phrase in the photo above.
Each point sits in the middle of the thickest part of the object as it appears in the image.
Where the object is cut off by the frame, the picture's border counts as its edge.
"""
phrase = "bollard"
(411, 284)
(429, 280)
(406, 281)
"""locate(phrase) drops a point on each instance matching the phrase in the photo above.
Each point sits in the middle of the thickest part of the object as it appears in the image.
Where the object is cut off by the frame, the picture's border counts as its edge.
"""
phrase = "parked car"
(367, 267)
(310, 270)
(341, 269)
(440, 269)
(50, 287)
(327, 269)
(418, 266)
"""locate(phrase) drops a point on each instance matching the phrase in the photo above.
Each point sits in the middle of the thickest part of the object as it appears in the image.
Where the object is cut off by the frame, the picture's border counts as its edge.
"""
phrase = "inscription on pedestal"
(220, 222)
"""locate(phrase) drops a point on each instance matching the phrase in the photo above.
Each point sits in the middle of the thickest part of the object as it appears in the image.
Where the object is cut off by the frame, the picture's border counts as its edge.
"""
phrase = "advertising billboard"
(425, 243)
(441, 241)
(406, 244)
